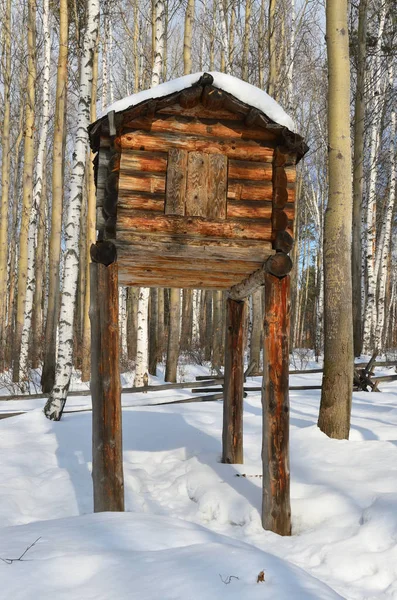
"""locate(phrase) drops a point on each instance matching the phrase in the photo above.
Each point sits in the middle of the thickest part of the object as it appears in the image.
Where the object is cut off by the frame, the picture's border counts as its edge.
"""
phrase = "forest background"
(277, 45)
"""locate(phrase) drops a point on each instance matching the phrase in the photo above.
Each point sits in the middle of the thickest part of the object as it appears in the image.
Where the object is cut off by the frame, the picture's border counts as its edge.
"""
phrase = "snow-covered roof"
(243, 91)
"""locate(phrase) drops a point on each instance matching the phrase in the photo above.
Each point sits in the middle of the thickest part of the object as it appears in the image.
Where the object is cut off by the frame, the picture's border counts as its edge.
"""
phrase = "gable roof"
(271, 114)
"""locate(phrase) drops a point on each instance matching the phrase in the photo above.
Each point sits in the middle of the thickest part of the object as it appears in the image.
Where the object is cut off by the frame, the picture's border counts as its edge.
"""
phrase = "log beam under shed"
(232, 436)
(279, 265)
(107, 452)
(276, 509)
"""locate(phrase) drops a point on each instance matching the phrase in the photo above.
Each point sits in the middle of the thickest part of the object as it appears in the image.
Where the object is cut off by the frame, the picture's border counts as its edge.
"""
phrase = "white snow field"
(193, 530)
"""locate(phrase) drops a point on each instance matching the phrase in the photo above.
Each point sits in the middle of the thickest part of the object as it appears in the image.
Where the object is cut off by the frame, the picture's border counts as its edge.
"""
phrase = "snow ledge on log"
(243, 91)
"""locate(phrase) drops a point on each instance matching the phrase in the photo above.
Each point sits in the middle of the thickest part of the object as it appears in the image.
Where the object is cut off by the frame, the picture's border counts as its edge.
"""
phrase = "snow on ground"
(193, 520)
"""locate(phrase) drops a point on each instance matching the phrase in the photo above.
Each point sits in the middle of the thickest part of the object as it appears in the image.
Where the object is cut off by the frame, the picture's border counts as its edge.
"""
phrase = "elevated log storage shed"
(195, 189)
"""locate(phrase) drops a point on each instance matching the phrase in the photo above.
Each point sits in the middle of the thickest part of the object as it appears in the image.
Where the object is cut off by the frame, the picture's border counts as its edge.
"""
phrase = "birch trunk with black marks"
(158, 42)
(358, 177)
(56, 402)
(5, 174)
(27, 189)
(142, 345)
(376, 90)
(37, 197)
(384, 249)
(54, 250)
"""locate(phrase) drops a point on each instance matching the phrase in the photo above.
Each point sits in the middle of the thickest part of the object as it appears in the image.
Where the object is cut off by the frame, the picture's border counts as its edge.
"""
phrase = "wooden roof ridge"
(211, 97)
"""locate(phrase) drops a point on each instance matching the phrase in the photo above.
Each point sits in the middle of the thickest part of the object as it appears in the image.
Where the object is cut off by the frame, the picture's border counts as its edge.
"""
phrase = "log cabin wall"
(199, 177)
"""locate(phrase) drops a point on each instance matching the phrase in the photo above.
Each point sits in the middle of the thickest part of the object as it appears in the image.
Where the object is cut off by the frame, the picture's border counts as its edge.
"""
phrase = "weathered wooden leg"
(232, 437)
(107, 451)
(276, 509)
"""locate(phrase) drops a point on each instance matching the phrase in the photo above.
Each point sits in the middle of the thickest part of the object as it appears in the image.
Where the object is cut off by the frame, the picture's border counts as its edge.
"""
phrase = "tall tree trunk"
(14, 242)
(336, 396)
(37, 197)
(153, 322)
(376, 85)
(158, 42)
(132, 320)
(27, 188)
(384, 249)
(272, 78)
(160, 325)
(256, 331)
(173, 336)
(217, 331)
(224, 40)
(142, 346)
(187, 40)
(40, 276)
(56, 402)
(5, 176)
(261, 46)
(90, 232)
(54, 250)
(187, 316)
(246, 41)
(358, 176)
(135, 47)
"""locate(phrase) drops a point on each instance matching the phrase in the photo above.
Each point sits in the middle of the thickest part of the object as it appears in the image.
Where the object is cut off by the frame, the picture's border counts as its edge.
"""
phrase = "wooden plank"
(251, 170)
(193, 248)
(197, 184)
(180, 274)
(249, 209)
(276, 508)
(232, 435)
(176, 182)
(232, 148)
(136, 160)
(141, 182)
(137, 276)
(142, 201)
(200, 112)
(249, 190)
(202, 127)
(150, 261)
(217, 186)
(254, 209)
(128, 280)
(107, 459)
(193, 226)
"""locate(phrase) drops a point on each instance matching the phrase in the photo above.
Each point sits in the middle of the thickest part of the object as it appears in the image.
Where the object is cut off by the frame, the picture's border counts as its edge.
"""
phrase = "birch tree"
(358, 176)
(56, 402)
(58, 156)
(376, 88)
(384, 246)
(37, 195)
(158, 42)
(27, 189)
(5, 173)
(224, 38)
(337, 387)
(187, 40)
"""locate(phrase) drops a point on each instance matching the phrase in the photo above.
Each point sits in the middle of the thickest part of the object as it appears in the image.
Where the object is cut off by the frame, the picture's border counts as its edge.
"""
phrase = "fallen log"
(132, 390)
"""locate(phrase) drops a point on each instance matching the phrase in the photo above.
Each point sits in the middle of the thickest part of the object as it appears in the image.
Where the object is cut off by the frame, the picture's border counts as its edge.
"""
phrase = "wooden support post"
(232, 437)
(107, 451)
(276, 509)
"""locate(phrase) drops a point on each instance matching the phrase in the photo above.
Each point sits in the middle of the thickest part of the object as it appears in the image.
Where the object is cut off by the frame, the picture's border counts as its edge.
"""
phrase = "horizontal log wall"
(193, 179)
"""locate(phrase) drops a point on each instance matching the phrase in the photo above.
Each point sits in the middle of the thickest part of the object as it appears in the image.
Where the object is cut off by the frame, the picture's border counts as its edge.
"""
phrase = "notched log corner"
(279, 264)
(103, 252)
